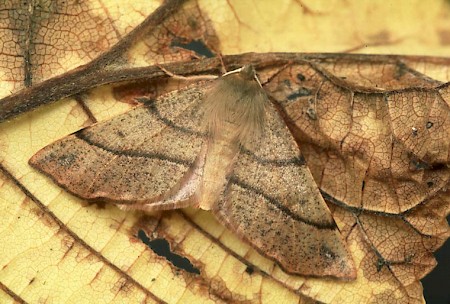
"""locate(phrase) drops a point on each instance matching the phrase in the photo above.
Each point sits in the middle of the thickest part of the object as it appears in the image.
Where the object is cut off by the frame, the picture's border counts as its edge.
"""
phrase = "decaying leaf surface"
(382, 167)
(79, 251)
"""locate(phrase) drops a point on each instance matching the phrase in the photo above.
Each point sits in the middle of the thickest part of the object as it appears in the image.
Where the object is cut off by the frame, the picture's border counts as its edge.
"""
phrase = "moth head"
(248, 72)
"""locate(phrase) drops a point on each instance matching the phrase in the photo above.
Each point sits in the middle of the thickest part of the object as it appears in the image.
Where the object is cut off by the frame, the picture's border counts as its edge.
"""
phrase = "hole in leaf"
(299, 93)
(161, 247)
(301, 77)
(249, 270)
(287, 83)
(416, 164)
(311, 113)
(194, 45)
(380, 263)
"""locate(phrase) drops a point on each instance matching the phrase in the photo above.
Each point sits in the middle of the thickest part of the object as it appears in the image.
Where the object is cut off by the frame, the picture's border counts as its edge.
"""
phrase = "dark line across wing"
(153, 109)
(82, 136)
(234, 180)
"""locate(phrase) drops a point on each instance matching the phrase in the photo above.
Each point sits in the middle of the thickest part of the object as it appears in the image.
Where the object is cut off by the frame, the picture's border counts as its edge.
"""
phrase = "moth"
(218, 146)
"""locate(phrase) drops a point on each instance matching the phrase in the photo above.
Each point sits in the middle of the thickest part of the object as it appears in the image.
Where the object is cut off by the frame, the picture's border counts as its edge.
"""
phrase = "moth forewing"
(139, 158)
(223, 148)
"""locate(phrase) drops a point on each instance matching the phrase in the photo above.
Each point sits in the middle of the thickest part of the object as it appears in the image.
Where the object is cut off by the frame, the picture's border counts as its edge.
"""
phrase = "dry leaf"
(80, 251)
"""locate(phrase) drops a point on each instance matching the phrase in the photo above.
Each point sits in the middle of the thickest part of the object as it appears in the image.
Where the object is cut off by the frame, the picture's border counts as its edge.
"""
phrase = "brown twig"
(82, 79)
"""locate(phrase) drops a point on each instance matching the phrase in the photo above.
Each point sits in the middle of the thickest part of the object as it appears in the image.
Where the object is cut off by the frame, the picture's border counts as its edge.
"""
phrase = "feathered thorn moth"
(219, 146)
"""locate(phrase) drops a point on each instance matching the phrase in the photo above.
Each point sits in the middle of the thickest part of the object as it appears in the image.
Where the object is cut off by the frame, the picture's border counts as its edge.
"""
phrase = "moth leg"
(187, 78)
(223, 70)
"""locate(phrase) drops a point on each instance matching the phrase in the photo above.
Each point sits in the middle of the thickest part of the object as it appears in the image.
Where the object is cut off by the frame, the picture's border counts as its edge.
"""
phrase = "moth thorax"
(235, 110)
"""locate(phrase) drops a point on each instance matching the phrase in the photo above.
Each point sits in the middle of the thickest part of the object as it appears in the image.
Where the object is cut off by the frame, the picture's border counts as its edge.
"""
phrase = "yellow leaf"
(57, 248)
